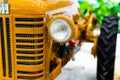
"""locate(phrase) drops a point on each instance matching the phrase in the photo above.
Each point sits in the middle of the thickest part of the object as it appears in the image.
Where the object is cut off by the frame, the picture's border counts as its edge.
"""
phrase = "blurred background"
(84, 66)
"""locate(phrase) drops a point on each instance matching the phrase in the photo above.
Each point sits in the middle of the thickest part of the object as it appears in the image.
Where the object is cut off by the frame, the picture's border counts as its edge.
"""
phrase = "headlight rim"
(68, 20)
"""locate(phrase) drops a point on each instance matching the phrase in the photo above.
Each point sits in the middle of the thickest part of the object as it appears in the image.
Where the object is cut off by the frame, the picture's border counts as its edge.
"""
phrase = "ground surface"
(84, 67)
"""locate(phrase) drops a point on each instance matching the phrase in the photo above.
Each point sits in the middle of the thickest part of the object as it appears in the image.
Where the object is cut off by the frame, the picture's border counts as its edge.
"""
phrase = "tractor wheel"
(106, 48)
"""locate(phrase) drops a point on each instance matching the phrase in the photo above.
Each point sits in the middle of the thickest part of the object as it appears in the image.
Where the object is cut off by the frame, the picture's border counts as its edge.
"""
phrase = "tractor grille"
(22, 47)
(29, 39)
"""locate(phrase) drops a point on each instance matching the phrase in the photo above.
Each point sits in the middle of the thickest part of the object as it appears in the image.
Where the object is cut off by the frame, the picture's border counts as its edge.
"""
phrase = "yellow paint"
(55, 4)
(35, 6)
(30, 38)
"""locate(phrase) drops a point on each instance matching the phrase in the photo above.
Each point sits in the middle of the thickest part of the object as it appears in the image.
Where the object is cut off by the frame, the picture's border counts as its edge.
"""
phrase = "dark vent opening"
(29, 58)
(29, 52)
(29, 35)
(29, 25)
(29, 41)
(29, 19)
(29, 46)
(29, 77)
(29, 63)
(9, 48)
(30, 72)
(3, 47)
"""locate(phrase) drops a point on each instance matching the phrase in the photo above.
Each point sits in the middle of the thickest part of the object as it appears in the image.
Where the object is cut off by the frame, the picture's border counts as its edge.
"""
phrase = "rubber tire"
(106, 48)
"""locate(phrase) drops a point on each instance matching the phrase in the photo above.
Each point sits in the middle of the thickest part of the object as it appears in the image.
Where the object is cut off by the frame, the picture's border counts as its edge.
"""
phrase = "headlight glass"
(60, 30)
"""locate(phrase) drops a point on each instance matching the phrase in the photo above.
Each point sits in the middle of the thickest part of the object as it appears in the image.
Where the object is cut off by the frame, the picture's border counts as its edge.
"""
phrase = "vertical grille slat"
(9, 47)
(3, 47)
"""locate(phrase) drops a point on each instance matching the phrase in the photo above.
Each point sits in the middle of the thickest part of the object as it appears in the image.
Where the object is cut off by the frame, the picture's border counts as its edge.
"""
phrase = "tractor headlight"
(61, 29)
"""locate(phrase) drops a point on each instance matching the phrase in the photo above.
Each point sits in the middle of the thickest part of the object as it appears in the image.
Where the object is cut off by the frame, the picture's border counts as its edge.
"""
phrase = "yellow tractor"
(38, 37)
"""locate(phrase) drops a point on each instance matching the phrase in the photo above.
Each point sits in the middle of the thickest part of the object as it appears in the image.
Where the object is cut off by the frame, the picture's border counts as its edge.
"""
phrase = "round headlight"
(61, 29)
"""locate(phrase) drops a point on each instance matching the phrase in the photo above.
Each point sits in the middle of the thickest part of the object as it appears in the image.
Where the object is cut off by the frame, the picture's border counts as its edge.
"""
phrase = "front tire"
(106, 48)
